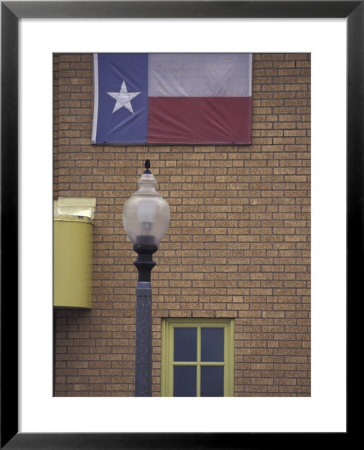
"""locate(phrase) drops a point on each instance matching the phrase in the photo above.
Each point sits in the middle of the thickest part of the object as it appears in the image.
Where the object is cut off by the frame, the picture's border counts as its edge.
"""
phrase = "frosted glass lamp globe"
(146, 213)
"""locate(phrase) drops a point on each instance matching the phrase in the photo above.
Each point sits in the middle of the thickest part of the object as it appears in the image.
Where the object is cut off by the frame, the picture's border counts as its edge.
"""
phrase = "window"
(197, 358)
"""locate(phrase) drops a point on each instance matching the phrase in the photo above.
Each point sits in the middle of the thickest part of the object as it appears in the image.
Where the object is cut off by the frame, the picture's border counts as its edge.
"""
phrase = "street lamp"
(146, 219)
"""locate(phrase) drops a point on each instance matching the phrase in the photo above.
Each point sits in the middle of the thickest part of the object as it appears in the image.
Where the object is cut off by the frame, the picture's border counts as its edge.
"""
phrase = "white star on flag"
(123, 98)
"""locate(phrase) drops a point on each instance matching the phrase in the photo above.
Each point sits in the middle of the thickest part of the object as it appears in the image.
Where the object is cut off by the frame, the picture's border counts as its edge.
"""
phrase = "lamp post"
(146, 219)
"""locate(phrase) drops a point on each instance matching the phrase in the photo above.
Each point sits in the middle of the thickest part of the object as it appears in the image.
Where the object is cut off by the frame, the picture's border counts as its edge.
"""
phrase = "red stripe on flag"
(199, 120)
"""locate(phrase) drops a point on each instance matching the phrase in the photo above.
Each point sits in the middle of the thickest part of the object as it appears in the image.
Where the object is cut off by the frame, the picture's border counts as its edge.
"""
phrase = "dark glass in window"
(185, 344)
(212, 381)
(184, 381)
(212, 344)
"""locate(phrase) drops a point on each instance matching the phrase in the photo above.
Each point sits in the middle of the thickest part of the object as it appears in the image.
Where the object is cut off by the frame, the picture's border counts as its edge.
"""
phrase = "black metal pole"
(143, 352)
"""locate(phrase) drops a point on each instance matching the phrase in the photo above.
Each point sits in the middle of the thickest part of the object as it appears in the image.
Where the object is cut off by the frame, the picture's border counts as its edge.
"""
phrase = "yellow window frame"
(167, 365)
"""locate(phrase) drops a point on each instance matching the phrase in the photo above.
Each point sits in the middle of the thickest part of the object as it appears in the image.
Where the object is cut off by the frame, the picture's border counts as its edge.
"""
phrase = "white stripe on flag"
(200, 75)
(96, 97)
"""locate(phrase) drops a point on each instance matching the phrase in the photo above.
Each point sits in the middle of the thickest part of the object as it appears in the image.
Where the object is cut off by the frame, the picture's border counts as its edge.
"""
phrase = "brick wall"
(238, 245)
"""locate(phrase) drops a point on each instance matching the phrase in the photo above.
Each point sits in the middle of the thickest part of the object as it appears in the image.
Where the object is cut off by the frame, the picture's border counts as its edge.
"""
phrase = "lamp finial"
(147, 166)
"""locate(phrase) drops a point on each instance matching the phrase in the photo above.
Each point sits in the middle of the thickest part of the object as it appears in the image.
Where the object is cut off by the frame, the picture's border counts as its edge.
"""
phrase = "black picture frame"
(11, 12)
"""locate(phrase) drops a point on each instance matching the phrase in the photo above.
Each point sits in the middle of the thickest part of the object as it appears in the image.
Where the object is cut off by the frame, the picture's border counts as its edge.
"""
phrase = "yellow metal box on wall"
(73, 234)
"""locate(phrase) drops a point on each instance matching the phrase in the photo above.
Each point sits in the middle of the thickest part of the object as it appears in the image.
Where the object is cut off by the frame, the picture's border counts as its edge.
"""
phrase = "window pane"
(184, 381)
(185, 344)
(212, 344)
(212, 381)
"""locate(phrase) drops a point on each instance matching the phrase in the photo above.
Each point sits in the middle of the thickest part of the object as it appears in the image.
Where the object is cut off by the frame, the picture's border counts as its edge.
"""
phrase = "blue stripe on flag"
(122, 109)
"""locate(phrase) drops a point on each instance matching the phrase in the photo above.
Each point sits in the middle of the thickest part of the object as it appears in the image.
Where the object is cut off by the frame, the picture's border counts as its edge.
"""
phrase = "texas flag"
(172, 98)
